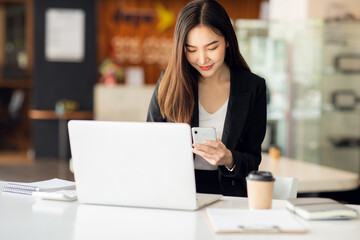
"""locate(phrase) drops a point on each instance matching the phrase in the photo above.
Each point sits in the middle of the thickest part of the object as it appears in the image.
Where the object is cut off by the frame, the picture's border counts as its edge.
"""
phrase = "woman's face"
(205, 50)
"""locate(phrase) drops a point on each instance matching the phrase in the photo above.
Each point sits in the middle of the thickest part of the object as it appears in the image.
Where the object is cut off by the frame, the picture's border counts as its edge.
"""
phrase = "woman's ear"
(227, 44)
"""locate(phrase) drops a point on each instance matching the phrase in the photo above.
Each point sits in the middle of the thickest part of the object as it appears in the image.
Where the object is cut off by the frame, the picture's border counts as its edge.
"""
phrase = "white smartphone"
(201, 134)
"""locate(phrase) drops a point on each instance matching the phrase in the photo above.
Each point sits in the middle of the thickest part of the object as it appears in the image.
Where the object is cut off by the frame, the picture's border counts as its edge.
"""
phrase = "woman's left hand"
(214, 152)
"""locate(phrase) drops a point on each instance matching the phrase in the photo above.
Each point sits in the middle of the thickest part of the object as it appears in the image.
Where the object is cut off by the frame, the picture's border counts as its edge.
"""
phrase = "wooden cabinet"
(16, 64)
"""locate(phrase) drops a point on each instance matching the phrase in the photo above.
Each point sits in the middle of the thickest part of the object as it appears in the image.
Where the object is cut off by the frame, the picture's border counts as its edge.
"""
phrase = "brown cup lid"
(260, 176)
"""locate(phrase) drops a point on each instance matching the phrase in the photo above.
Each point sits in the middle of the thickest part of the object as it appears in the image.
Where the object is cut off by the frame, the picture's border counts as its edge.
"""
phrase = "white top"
(215, 120)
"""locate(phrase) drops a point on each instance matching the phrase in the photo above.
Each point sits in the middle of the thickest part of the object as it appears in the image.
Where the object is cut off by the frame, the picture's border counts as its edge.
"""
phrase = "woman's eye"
(190, 51)
(213, 48)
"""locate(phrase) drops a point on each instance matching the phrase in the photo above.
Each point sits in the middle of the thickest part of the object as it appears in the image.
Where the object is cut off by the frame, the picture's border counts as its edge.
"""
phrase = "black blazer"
(244, 127)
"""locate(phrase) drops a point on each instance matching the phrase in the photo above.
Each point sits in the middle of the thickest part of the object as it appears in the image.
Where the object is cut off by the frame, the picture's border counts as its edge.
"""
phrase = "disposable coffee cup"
(260, 187)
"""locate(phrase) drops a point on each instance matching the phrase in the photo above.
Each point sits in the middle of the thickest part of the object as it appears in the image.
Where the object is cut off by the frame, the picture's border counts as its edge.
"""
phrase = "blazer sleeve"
(247, 153)
(154, 113)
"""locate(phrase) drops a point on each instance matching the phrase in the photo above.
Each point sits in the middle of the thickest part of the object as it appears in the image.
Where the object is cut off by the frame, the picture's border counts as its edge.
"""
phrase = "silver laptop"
(135, 164)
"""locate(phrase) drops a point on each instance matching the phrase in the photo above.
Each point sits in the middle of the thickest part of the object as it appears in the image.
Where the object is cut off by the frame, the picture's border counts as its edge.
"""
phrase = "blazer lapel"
(236, 114)
(195, 117)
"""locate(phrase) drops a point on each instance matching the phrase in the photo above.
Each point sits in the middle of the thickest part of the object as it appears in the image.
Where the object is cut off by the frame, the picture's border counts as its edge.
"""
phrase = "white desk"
(311, 177)
(22, 217)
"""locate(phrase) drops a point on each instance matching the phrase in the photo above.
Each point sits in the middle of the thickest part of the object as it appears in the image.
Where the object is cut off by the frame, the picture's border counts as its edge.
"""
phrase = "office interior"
(100, 59)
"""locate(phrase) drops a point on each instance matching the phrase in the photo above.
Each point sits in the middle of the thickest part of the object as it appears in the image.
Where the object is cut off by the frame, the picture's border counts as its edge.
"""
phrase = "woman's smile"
(206, 68)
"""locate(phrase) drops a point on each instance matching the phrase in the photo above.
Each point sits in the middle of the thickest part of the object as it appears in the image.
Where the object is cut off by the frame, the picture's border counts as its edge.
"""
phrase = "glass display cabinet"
(325, 82)
(263, 45)
(306, 93)
(340, 85)
(312, 70)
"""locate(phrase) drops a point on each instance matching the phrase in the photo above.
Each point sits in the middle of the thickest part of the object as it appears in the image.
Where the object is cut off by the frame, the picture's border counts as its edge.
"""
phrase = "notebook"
(320, 209)
(135, 164)
(41, 186)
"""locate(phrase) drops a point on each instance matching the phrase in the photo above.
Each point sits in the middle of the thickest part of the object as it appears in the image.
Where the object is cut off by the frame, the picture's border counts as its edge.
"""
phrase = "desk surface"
(22, 217)
(311, 177)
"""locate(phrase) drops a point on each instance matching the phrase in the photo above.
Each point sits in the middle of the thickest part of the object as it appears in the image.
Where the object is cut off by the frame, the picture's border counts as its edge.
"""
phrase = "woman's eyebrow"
(213, 42)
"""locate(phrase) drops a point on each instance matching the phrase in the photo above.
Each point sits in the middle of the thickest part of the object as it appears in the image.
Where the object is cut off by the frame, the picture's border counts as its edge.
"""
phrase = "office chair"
(285, 187)
(13, 114)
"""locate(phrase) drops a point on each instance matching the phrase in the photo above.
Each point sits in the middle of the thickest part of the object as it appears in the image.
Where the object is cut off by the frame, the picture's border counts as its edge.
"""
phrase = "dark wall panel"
(54, 81)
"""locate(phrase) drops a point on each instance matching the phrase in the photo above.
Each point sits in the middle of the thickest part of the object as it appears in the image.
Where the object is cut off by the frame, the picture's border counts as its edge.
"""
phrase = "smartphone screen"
(201, 134)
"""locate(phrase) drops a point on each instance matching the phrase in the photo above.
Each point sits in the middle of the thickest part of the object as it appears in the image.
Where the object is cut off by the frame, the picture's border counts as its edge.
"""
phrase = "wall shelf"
(16, 83)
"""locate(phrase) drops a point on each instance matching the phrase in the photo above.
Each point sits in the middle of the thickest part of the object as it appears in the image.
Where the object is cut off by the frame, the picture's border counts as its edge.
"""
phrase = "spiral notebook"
(47, 185)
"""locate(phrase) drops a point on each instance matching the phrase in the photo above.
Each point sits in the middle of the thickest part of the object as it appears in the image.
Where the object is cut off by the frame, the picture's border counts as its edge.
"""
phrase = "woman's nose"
(202, 58)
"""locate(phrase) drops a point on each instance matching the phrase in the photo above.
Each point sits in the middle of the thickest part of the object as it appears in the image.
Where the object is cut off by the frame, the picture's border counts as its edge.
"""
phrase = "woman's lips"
(206, 68)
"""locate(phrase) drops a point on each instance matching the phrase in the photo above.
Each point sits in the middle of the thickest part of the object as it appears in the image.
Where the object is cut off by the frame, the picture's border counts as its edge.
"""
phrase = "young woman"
(207, 83)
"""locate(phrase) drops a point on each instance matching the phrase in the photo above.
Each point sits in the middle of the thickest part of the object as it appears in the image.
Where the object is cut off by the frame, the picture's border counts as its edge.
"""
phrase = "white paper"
(238, 220)
(64, 34)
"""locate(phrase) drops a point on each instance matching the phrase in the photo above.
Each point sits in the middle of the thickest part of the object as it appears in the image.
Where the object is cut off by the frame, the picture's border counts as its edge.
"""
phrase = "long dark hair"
(176, 90)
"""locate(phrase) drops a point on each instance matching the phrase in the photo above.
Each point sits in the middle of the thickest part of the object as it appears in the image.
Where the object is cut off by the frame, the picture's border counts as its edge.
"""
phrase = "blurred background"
(100, 59)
